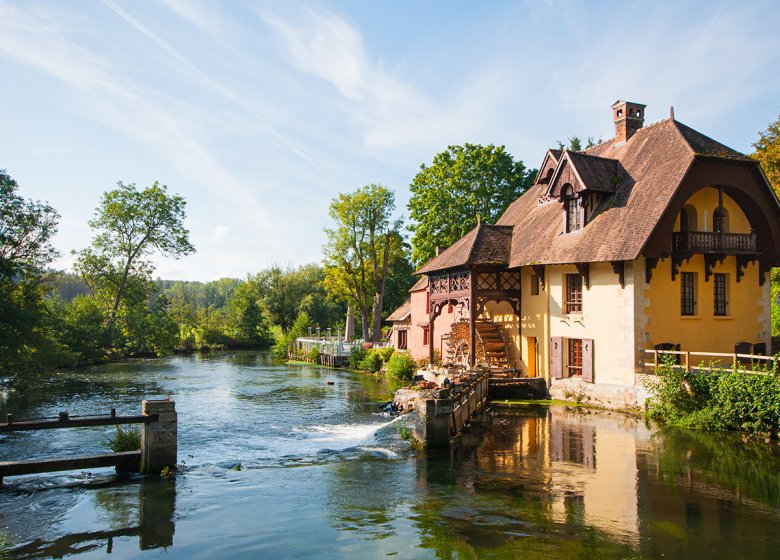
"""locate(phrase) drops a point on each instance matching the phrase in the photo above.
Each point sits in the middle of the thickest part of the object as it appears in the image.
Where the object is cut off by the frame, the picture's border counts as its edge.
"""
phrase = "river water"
(276, 463)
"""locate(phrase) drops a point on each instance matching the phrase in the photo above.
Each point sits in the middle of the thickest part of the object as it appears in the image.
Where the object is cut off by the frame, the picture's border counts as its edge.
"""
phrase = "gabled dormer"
(547, 169)
(580, 182)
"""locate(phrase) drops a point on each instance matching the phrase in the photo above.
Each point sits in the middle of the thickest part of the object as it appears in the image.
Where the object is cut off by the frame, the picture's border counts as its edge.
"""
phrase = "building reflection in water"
(147, 514)
(599, 479)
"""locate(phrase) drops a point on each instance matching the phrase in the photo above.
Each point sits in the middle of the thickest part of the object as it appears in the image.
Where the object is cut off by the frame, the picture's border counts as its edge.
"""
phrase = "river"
(277, 463)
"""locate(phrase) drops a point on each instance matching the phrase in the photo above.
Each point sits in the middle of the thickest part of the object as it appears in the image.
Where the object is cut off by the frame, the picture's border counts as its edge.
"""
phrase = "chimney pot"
(629, 117)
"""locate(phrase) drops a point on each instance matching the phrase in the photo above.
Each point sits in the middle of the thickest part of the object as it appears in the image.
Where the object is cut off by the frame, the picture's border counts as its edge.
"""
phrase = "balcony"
(687, 242)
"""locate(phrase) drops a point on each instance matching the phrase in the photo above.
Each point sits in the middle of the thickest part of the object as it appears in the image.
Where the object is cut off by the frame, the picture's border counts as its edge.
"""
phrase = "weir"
(158, 441)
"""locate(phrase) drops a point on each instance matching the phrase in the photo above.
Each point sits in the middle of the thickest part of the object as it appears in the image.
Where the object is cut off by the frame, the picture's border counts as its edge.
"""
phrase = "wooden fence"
(158, 441)
(740, 363)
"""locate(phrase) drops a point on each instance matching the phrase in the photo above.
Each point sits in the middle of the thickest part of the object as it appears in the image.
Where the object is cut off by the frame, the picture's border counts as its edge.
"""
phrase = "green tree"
(26, 323)
(247, 320)
(768, 153)
(84, 330)
(360, 250)
(131, 225)
(26, 231)
(575, 144)
(461, 184)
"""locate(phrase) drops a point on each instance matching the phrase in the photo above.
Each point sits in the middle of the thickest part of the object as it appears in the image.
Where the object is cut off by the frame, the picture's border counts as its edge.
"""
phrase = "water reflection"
(541, 482)
(568, 483)
(143, 511)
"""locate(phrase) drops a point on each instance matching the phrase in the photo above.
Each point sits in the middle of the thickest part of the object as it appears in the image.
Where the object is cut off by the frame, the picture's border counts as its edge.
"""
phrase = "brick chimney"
(629, 117)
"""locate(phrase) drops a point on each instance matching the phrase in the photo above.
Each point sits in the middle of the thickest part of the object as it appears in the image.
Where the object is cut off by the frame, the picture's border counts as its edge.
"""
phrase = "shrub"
(402, 366)
(422, 363)
(124, 439)
(385, 353)
(357, 355)
(715, 399)
(371, 361)
(314, 354)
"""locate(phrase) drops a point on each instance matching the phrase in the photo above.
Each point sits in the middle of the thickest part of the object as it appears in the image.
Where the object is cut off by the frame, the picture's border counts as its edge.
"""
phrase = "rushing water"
(276, 463)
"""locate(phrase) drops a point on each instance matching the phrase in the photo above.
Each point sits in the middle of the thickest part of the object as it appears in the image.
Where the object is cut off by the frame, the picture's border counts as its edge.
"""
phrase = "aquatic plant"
(168, 473)
(124, 439)
(404, 432)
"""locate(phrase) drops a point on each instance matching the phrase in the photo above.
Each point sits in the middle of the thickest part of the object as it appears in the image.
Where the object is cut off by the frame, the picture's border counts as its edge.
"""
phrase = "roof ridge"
(478, 228)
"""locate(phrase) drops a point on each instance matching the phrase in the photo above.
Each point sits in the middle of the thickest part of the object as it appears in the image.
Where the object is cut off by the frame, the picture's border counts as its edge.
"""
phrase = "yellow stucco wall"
(705, 201)
(607, 318)
(534, 323)
(502, 314)
(747, 309)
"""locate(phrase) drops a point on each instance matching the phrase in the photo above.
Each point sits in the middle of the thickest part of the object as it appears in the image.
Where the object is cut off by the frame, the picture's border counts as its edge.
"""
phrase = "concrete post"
(432, 420)
(158, 439)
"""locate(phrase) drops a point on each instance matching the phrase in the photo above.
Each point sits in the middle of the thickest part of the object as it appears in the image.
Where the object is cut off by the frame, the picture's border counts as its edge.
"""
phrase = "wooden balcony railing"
(711, 242)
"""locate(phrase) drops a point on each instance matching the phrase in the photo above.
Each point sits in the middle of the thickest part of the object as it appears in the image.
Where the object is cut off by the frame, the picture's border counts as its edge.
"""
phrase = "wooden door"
(531, 359)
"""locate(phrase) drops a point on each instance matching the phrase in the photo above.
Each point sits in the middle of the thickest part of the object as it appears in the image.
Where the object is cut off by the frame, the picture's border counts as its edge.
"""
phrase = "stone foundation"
(616, 397)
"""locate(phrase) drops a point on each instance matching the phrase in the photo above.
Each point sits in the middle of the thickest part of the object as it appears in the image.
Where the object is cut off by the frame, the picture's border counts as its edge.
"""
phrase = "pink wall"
(419, 314)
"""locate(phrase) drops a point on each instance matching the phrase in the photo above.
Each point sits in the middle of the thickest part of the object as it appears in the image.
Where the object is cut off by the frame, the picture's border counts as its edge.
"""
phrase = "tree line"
(109, 306)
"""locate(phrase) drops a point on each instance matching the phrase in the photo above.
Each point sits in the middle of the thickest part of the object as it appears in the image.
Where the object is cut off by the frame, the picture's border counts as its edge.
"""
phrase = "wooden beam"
(584, 270)
(619, 268)
(69, 422)
(650, 264)
(126, 459)
(539, 271)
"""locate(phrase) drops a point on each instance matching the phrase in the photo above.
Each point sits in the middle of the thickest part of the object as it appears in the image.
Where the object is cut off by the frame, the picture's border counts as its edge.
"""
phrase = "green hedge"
(716, 400)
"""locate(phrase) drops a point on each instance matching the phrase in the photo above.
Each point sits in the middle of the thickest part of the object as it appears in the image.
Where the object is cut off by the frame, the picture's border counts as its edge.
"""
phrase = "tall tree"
(26, 231)
(768, 153)
(462, 183)
(359, 251)
(131, 225)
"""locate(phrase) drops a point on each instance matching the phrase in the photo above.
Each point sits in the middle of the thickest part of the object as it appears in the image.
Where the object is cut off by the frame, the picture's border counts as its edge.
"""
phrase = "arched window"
(689, 219)
(720, 220)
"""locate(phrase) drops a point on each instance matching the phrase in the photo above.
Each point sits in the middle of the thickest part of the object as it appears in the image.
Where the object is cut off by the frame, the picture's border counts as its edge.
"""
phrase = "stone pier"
(432, 419)
(159, 439)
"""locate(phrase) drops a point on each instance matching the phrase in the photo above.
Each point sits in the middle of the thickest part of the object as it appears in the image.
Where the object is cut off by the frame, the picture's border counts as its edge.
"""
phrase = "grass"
(531, 402)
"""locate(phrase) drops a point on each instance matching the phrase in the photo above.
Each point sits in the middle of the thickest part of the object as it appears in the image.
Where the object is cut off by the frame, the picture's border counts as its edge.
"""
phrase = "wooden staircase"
(492, 349)
(491, 337)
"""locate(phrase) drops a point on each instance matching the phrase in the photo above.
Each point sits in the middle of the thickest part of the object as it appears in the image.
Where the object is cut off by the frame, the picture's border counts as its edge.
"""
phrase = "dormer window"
(572, 205)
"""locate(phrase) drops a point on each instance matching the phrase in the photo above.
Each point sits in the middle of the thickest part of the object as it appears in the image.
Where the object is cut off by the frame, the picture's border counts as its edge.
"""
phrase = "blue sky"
(260, 112)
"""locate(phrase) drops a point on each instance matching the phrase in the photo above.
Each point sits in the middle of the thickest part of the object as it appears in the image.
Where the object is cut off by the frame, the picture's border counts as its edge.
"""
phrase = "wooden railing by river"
(704, 361)
(445, 413)
(158, 441)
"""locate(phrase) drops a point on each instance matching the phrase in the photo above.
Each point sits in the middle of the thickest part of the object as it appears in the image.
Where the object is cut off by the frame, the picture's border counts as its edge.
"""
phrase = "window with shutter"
(587, 360)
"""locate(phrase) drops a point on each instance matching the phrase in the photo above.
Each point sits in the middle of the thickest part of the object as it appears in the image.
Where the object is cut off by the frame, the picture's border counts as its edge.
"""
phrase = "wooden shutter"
(556, 357)
(587, 360)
